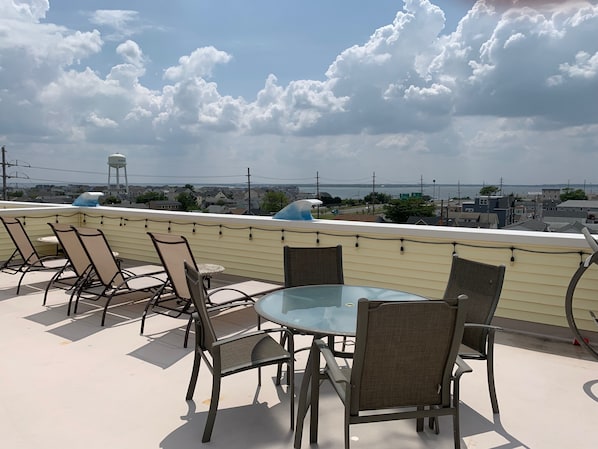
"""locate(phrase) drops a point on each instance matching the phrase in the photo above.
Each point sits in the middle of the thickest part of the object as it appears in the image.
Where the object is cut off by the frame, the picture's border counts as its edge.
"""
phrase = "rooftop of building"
(68, 383)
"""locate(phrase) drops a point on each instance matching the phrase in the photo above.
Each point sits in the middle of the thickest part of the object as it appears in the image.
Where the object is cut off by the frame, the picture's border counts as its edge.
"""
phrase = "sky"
(342, 91)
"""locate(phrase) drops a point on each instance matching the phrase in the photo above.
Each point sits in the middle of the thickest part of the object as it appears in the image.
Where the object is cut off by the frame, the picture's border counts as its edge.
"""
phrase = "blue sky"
(199, 91)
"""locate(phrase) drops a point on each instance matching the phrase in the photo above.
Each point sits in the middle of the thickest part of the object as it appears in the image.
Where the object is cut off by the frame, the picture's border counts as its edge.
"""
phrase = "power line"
(66, 170)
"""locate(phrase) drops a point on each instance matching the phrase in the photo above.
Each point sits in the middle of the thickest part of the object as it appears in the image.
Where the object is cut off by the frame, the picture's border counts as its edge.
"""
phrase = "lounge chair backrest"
(100, 255)
(174, 251)
(71, 246)
(195, 283)
(404, 353)
(482, 283)
(19, 236)
(313, 265)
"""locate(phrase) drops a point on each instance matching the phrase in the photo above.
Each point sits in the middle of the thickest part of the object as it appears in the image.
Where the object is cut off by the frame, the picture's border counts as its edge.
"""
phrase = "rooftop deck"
(66, 382)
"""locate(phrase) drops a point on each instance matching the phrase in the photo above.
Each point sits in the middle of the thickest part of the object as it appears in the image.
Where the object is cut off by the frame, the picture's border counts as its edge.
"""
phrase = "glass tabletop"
(323, 309)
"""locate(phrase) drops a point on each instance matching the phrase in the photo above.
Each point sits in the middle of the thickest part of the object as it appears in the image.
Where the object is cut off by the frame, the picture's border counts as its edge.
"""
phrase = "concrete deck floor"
(66, 382)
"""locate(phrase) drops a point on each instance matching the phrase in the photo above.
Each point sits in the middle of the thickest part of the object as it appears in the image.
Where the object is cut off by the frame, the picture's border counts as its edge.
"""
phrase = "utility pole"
(373, 192)
(318, 190)
(248, 192)
(3, 173)
(5, 176)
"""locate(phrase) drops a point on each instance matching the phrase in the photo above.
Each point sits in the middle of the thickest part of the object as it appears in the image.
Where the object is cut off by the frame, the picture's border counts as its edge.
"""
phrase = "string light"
(402, 240)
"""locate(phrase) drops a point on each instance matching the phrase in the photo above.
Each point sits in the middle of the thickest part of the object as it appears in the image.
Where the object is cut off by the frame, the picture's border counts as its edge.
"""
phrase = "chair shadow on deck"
(85, 323)
(242, 426)
(163, 349)
(591, 389)
(472, 423)
(30, 288)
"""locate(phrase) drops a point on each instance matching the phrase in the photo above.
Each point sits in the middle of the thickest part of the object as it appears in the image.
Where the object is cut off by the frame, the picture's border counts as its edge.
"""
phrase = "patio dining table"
(320, 310)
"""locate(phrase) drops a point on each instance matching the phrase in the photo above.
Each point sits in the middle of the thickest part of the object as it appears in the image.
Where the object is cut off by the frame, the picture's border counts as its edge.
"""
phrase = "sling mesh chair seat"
(113, 282)
(25, 259)
(405, 365)
(227, 356)
(482, 283)
(173, 298)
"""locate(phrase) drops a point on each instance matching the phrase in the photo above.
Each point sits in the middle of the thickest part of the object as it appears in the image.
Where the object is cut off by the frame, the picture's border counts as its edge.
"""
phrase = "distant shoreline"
(436, 191)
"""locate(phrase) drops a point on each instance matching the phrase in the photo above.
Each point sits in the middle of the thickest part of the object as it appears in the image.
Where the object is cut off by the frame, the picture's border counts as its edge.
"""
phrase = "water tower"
(118, 161)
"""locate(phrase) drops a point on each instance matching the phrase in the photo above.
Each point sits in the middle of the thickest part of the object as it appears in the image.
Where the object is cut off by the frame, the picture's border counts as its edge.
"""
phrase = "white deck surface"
(67, 383)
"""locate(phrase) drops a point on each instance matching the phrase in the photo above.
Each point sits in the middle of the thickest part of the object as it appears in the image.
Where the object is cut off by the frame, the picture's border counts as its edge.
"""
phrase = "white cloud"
(121, 23)
(524, 66)
(131, 53)
(31, 11)
(200, 63)
(503, 87)
(585, 66)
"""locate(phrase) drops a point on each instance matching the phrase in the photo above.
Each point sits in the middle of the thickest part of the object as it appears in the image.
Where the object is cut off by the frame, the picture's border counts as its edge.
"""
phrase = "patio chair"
(482, 283)
(77, 269)
(174, 297)
(231, 355)
(25, 258)
(403, 365)
(130, 285)
(313, 266)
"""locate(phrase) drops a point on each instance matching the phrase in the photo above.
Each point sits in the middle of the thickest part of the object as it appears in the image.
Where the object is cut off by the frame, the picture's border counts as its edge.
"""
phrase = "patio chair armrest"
(226, 340)
(150, 274)
(462, 368)
(153, 275)
(49, 258)
(334, 371)
(485, 326)
(216, 307)
(244, 297)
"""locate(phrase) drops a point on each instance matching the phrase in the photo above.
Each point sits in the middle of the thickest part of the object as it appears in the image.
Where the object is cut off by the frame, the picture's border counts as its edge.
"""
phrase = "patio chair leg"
(456, 431)
(153, 300)
(490, 373)
(291, 390)
(105, 310)
(283, 341)
(347, 433)
(46, 291)
(76, 304)
(143, 317)
(21, 280)
(419, 422)
(207, 432)
(194, 374)
(187, 331)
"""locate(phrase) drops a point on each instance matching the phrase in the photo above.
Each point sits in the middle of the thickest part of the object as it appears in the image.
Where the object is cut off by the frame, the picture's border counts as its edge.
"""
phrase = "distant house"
(165, 205)
(426, 221)
(217, 209)
(220, 199)
(529, 225)
(474, 220)
(550, 198)
(579, 205)
(572, 215)
(501, 206)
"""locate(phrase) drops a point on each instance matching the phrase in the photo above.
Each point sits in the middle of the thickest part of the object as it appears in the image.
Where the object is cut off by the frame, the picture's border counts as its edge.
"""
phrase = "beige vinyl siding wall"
(535, 283)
